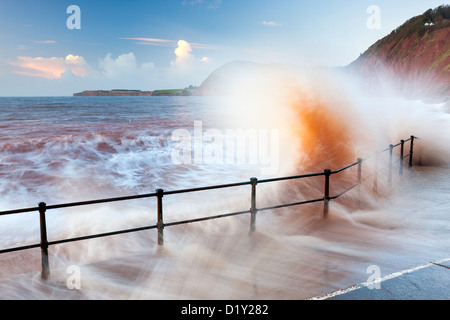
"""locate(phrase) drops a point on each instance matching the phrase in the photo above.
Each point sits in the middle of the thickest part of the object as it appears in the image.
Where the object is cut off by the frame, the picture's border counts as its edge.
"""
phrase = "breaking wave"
(64, 152)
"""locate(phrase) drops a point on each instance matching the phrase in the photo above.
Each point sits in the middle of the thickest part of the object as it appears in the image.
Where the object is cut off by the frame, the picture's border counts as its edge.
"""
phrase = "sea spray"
(294, 253)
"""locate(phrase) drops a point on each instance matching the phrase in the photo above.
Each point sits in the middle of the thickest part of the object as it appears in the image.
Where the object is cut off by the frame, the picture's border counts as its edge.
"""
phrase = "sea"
(68, 149)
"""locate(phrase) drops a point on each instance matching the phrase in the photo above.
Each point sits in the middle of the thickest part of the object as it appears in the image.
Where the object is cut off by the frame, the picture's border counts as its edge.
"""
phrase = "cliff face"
(414, 58)
(412, 61)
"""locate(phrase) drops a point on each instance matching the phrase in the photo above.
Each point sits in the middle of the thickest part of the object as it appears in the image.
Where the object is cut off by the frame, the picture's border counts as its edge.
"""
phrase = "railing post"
(375, 179)
(411, 151)
(359, 170)
(253, 209)
(391, 147)
(360, 161)
(160, 194)
(402, 148)
(326, 193)
(45, 272)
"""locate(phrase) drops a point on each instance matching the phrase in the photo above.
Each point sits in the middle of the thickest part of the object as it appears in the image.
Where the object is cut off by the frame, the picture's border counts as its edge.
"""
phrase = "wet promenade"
(424, 272)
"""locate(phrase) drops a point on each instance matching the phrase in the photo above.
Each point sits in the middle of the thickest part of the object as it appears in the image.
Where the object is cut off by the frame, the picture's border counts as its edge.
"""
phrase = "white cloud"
(50, 68)
(169, 43)
(73, 74)
(184, 58)
(46, 42)
(206, 59)
(77, 65)
(126, 72)
(210, 4)
(123, 64)
(270, 23)
(154, 41)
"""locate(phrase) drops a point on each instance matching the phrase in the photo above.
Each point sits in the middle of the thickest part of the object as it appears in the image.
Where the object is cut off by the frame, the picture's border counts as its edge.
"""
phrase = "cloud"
(186, 67)
(168, 43)
(124, 65)
(154, 41)
(270, 23)
(210, 4)
(206, 59)
(46, 42)
(77, 65)
(50, 68)
(184, 58)
(73, 74)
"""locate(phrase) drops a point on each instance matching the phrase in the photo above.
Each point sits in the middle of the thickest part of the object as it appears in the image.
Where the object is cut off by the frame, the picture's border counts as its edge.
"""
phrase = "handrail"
(345, 168)
(159, 194)
(292, 177)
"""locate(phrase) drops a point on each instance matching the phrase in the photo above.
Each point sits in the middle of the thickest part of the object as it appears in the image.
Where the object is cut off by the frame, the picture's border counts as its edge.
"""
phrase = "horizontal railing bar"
(31, 246)
(290, 204)
(378, 152)
(90, 202)
(344, 192)
(396, 145)
(100, 235)
(208, 188)
(206, 218)
(9, 212)
(292, 177)
(345, 168)
(77, 204)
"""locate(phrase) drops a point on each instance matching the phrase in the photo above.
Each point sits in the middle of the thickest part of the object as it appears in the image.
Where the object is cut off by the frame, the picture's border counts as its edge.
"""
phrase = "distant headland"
(189, 91)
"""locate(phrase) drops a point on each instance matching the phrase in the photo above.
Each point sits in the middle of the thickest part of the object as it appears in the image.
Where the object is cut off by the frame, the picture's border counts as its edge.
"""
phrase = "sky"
(59, 47)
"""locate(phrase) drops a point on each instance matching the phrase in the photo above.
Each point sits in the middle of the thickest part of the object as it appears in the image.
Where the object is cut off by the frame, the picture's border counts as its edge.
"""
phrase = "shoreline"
(136, 93)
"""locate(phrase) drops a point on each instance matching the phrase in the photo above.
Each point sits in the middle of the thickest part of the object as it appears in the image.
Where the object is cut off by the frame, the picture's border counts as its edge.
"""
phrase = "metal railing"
(160, 193)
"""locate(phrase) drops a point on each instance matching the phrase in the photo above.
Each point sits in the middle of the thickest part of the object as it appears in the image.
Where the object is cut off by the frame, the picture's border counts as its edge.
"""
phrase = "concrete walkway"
(424, 195)
(430, 281)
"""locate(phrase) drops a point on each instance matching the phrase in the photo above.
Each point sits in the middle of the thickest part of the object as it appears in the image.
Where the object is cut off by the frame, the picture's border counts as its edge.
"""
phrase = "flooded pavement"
(283, 260)
(419, 267)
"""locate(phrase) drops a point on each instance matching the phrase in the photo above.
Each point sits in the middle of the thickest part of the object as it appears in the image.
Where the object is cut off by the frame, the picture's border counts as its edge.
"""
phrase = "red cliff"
(414, 58)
